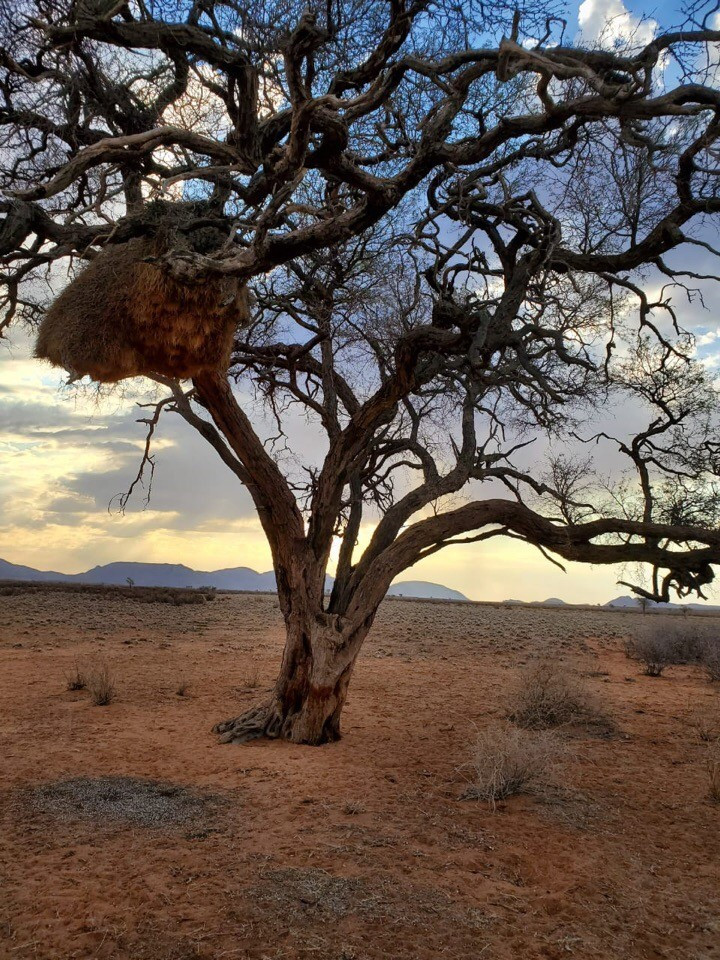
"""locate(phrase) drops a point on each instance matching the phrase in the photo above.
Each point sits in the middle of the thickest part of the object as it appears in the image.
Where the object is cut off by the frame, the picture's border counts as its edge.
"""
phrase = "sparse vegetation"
(661, 647)
(654, 650)
(547, 695)
(230, 837)
(251, 681)
(713, 770)
(174, 595)
(101, 685)
(711, 661)
(706, 722)
(508, 761)
(77, 679)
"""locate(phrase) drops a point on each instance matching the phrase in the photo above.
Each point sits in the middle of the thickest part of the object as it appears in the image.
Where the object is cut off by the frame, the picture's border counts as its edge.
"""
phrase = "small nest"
(124, 317)
(130, 800)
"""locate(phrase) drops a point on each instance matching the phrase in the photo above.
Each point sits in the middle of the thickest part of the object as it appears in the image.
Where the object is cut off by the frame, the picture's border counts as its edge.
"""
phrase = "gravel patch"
(136, 801)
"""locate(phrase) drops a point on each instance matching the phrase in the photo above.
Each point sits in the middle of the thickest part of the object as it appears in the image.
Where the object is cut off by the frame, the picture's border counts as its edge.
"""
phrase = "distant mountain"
(178, 575)
(150, 575)
(425, 590)
(625, 601)
(633, 603)
(14, 571)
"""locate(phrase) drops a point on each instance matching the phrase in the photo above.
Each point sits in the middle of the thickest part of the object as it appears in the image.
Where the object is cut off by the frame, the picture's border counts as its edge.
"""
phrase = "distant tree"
(460, 228)
(130, 582)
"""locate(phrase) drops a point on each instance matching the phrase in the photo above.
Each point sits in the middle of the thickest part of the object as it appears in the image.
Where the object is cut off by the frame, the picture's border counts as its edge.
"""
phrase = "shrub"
(662, 647)
(688, 645)
(101, 686)
(711, 661)
(547, 696)
(77, 679)
(654, 650)
(508, 761)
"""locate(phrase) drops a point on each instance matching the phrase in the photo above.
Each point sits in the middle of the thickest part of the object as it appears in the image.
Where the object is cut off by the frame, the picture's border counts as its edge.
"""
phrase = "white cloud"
(611, 24)
(703, 339)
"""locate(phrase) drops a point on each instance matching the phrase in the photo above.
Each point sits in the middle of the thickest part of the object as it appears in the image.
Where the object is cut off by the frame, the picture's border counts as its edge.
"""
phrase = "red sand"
(361, 849)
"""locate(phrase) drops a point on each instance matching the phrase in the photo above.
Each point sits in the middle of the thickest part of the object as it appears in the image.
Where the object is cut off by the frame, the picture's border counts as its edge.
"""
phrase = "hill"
(178, 575)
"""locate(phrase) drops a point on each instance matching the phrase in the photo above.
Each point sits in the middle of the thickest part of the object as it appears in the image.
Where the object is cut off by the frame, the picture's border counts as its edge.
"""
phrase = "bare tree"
(450, 218)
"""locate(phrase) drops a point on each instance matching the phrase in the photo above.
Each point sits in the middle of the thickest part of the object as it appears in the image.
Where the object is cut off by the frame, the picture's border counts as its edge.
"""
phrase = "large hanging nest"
(122, 317)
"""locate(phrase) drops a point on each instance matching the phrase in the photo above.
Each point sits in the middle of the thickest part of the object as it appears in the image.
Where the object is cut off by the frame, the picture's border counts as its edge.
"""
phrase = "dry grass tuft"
(101, 686)
(548, 696)
(508, 761)
(251, 681)
(705, 720)
(77, 679)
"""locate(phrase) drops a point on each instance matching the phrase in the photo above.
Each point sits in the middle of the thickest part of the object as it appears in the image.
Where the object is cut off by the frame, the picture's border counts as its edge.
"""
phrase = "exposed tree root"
(267, 720)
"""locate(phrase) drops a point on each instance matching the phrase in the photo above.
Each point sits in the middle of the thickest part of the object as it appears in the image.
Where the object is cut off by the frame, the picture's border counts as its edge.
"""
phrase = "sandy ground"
(361, 849)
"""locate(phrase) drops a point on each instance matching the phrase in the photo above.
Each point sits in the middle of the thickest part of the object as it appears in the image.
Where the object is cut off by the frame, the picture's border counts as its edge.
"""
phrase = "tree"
(451, 219)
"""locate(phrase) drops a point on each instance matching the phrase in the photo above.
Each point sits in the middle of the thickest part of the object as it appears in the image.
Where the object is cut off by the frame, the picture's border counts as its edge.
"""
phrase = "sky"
(65, 454)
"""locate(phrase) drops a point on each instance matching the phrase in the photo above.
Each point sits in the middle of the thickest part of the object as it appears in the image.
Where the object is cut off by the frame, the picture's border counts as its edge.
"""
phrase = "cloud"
(610, 23)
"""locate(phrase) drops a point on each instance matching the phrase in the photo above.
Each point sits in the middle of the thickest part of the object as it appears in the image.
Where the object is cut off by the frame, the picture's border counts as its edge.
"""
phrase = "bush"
(101, 686)
(711, 661)
(547, 696)
(653, 650)
(663, 647)
(508, 761)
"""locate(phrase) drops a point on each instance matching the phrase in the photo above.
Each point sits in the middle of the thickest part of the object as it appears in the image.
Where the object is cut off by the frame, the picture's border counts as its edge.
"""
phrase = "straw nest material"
(122, 317)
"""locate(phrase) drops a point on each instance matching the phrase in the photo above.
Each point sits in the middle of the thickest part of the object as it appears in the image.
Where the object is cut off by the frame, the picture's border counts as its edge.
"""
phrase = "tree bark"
(310, 692)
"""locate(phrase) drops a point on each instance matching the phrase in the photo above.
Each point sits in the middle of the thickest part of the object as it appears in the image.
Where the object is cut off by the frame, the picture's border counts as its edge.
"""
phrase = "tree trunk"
(310, 692)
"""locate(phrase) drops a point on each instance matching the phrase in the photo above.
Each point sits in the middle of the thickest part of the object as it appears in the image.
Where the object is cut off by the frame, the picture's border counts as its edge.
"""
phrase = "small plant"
(706, 723)
(654, 650)
(547, 696)
(101, 686)
(509, 761)
(713, 770)
(77, 679)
